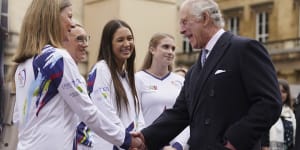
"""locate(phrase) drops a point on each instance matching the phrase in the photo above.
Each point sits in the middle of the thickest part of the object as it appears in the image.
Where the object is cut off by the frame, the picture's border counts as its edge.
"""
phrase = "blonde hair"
(41, 26)
(64, 3)
(154, 41)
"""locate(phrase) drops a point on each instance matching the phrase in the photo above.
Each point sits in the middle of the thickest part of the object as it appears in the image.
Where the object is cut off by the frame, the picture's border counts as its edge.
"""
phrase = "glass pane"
(259, 29)
(4, 6)
(190, 48)
(4, 21)
(260, 17)
(184, 46)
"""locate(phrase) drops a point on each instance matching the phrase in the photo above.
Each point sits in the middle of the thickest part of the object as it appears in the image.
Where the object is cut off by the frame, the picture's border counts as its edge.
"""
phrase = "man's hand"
(137, 141)
(139, 135)
(229, 146)
(265, 148)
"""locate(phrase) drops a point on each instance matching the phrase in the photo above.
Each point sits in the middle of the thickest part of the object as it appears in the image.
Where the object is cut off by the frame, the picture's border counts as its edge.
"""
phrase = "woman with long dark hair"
(111, 82)
(282, 133)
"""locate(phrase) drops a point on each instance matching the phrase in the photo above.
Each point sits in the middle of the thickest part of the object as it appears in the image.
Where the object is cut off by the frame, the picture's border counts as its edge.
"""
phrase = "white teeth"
(126, 49)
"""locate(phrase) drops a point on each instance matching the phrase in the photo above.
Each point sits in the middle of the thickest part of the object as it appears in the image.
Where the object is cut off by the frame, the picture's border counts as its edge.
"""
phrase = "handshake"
(138, 142)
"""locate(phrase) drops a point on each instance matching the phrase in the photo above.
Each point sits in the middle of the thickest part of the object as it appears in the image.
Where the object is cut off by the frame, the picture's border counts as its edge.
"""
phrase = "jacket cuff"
(127, 141)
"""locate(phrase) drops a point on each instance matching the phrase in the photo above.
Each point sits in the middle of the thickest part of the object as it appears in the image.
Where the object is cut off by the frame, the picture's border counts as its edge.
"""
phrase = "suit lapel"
(212, 60)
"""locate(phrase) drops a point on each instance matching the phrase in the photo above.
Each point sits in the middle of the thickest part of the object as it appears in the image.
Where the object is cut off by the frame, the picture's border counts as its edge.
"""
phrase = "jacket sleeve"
(75, 95)
(265, 140)
(259, 79)
(141, 120)
(101, 94)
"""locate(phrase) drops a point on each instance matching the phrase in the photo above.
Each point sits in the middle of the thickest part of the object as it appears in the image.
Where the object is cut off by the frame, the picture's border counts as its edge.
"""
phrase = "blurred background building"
(275, 23)
(146, 17)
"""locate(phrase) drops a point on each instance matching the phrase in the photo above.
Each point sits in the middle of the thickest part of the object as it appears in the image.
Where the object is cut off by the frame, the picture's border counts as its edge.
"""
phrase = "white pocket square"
(219, 71)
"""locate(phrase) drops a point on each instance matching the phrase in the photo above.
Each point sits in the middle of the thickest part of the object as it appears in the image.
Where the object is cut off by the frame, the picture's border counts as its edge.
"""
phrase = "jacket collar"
(212, 60)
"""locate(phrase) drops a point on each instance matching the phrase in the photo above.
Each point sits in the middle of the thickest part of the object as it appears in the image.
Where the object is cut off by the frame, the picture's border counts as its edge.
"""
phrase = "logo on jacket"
(22, 78)
(152, 87)
(74, 83)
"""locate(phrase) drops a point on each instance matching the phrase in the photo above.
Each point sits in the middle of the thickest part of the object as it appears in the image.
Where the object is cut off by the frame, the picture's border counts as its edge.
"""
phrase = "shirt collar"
(212, 42)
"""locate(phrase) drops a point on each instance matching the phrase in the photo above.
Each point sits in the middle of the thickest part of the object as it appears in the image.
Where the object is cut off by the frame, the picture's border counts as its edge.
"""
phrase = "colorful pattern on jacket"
(83, 135)
(128, 129)
(91, 81)
(48, 70)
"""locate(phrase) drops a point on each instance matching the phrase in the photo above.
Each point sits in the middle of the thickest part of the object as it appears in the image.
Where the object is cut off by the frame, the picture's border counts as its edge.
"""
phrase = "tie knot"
(205, 51)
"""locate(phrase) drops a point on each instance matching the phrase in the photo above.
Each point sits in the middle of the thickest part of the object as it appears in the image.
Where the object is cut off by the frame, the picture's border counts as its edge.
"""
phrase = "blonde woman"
(51, 95)
(157, 86)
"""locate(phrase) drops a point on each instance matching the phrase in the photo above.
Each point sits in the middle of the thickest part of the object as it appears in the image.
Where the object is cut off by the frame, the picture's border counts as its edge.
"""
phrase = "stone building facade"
(275, 23)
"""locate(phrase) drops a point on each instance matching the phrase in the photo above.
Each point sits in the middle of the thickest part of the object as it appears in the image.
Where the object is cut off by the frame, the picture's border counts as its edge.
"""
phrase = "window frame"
(233, 24)
(4, 15)
(262, 27)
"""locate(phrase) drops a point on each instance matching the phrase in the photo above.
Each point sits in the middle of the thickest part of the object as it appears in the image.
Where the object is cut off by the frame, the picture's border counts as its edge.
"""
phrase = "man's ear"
(205, 18)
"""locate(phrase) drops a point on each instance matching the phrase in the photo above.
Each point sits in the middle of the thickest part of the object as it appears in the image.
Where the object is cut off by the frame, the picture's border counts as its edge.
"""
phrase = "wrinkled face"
(66, 20)
(122, 44)
(77, 44)
(191, 27)
(164, 52)
(283, 93)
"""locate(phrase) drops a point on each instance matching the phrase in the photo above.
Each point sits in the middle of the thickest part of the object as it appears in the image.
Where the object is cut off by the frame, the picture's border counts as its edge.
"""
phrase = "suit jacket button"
(207, 121)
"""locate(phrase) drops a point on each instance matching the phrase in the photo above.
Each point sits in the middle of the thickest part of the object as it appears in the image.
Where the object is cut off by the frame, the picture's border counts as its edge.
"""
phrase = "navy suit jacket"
(238, 103)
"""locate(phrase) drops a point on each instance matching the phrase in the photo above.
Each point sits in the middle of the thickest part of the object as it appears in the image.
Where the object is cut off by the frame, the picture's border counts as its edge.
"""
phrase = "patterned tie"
(203, 56)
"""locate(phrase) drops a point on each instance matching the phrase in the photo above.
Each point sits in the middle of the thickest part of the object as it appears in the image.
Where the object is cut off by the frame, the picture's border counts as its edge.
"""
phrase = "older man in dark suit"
(230, 96)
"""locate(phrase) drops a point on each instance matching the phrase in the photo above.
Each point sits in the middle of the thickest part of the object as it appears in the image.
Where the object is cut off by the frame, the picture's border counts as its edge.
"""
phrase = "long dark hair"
(106, 53)
(285, 85)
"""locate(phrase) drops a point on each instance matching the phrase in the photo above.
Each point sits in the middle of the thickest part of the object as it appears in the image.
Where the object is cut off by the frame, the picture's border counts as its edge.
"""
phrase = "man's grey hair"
(198, 7)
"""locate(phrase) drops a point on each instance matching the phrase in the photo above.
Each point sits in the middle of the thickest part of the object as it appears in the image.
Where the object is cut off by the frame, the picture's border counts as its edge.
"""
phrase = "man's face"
(77, 44)
(191, 27)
